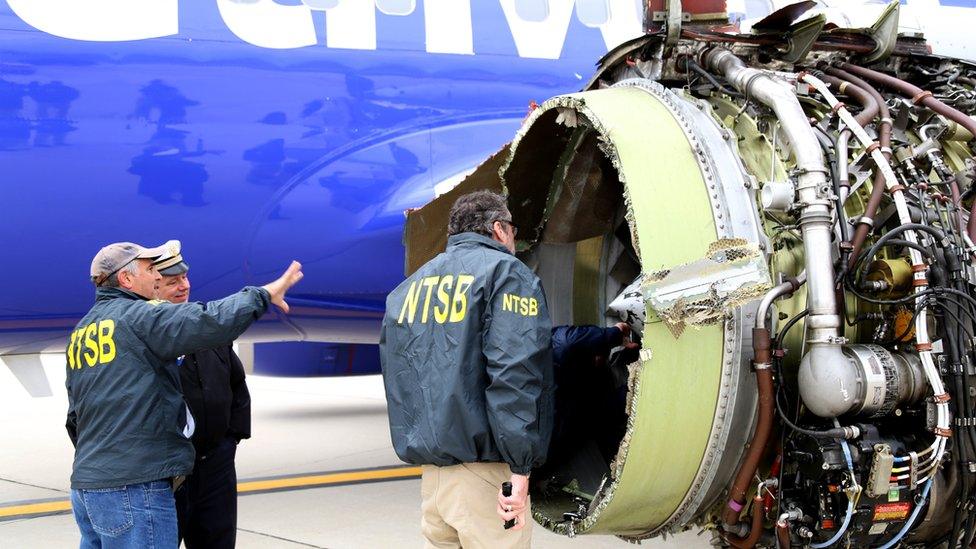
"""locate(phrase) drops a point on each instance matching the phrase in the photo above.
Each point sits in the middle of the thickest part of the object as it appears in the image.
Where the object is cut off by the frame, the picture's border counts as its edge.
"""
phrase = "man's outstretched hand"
(279, 287)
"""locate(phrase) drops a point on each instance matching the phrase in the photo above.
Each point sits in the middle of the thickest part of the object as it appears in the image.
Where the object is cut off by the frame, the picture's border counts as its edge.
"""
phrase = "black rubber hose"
(859, 265)
(836, 432)
(966, 436)
(693, 65)
(922, 250)
(939, 291)
(963, 453)
(786, 327)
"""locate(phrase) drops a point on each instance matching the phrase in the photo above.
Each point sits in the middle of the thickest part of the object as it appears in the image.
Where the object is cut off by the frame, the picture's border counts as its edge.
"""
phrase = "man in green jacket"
(469, 379)
(126, 414)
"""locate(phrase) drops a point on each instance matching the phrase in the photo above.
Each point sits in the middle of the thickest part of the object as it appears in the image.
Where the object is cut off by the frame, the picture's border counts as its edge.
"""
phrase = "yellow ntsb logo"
(525, 306)
(452, 296)
(93, 342)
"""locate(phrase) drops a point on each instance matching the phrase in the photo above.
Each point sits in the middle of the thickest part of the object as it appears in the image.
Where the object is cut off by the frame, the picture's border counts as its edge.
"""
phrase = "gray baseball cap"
(171, 263)
(110, 259)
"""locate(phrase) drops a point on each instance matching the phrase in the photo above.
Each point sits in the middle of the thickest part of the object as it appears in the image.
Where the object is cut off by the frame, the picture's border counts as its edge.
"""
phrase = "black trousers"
(206, 503)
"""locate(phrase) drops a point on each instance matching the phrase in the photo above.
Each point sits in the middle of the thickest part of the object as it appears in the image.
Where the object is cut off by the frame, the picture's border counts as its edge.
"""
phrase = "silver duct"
(824, 371)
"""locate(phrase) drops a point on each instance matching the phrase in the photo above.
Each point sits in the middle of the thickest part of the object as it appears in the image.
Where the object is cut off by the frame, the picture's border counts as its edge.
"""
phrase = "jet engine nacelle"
(805, 266)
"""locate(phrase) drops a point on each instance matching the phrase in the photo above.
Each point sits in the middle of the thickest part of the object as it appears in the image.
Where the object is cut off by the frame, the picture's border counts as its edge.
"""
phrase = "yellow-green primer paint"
(676, 390)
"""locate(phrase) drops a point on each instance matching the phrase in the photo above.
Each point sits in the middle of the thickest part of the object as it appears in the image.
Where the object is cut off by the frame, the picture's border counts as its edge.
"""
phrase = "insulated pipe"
(957, 200)
(885, 128)
(783, 527)
(869, 105)
(816, 221)
(783, 534)
(925, 98)
(869, 109)
(971, 226)
(765, 405)
(764, 428)
(915, 93)
(761, 344)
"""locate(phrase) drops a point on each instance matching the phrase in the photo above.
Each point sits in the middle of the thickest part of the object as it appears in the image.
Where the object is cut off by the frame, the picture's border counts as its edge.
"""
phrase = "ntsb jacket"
(466, 359)
(125, 408)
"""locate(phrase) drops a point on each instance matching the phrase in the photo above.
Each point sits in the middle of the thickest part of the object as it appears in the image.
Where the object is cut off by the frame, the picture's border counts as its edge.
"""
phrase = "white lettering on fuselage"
(100, 20)
(350, 24)
(448, 24)
(267, 24)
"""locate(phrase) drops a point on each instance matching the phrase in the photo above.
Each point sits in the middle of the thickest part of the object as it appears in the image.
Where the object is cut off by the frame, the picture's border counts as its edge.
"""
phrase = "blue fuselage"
(251, 156)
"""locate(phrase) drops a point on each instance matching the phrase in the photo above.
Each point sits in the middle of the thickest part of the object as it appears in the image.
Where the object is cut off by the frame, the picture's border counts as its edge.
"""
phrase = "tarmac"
(319, 470)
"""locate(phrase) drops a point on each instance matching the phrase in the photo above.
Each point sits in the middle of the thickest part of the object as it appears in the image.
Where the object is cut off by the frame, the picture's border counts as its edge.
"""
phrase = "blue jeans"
(133, 516)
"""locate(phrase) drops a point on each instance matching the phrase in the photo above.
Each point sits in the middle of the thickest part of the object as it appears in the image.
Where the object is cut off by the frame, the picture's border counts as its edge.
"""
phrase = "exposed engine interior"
(800, 222)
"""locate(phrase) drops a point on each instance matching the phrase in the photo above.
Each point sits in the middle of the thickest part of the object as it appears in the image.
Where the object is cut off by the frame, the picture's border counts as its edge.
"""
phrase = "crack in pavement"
(58, 490)
(303, 544)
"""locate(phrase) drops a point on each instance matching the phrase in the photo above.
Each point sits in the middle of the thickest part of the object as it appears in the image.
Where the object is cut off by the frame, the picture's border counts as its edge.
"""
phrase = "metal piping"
(813, 377)
(877, 190)
(765, 408)
(816, 223)
(786, 288)
(813, 193)
(869, 109)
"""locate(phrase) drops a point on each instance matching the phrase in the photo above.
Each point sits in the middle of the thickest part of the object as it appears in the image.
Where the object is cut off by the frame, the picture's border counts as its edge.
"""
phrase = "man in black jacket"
(215, 391)
(468, 372)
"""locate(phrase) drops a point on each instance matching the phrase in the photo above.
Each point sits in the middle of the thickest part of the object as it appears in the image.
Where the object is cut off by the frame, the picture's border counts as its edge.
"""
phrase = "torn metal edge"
(605, 494)
(732, 272)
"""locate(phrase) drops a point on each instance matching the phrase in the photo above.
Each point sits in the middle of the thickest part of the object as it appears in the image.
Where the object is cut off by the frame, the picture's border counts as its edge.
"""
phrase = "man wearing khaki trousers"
(465, 350)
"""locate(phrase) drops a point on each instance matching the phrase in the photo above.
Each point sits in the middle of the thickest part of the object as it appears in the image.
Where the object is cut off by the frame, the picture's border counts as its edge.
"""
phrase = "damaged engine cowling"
(801, 235)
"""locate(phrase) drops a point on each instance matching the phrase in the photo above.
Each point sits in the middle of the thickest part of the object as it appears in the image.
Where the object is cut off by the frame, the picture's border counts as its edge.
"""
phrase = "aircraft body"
(714, 169)
(256, 132)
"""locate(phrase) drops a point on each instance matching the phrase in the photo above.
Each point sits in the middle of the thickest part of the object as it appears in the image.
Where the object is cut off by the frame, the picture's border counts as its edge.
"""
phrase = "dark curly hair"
(476, 212)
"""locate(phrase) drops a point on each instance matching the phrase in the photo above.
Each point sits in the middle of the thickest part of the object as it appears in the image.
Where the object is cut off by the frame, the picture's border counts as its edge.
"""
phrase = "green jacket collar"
(475, 238)
(103, 294)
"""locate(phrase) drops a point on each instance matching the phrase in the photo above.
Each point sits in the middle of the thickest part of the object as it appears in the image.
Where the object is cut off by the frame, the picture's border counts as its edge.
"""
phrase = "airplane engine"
(798, 240)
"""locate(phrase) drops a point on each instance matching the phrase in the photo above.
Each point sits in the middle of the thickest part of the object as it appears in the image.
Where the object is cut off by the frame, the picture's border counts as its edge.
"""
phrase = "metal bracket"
(662, 16)
(885, 33)
(801, 37)
(673, 24)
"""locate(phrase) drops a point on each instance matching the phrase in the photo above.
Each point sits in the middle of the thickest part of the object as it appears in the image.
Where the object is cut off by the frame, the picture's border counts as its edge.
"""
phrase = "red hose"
(755, 532)
(920, 97)
(783, 535)
(878, 185)
(764, 428)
